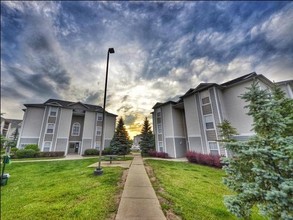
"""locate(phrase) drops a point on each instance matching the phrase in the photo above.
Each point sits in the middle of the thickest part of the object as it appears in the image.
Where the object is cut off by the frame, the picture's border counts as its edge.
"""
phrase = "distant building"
(191, 123)
(136, 140)
(10, 128)
(71, 127)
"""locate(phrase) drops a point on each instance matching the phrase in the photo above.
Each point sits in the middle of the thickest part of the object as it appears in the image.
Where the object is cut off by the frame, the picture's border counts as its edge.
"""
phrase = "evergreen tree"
(147, 141)
(260, 173)
(226, 131)
(286, 106)
(120, 144)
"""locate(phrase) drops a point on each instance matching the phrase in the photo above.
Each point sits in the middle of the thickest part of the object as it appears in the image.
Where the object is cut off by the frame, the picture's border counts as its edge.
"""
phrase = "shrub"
(52, 154)
(154, 153)
(204, 159)
(34, 147)
(107, 151)
(13, 150)
(26, 153)
(91, 152)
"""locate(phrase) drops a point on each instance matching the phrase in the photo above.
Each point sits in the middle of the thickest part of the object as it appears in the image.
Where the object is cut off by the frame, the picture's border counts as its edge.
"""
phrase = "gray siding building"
(191, 123)
(71, 127)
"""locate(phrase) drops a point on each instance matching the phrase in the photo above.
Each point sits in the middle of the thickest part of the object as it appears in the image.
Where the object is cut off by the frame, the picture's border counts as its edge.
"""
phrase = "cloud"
(278, 29)
(59, 50)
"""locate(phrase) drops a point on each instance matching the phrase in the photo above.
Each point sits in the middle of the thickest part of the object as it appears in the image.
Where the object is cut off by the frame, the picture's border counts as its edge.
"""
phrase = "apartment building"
(10, 128)
(190, 124)
(72, 127)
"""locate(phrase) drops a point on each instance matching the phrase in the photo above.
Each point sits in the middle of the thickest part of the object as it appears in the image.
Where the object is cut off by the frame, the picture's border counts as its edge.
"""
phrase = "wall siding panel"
(180, 144)
(195, 144)
(170, 147)
(61, 144)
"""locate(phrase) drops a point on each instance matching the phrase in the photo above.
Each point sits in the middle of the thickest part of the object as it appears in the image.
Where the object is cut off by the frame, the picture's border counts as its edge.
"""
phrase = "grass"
(59, 190)
(192, 191)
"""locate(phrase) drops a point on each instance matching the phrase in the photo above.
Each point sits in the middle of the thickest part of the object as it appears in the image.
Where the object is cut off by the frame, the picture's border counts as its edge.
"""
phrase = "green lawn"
(59, 190)
(193, 191)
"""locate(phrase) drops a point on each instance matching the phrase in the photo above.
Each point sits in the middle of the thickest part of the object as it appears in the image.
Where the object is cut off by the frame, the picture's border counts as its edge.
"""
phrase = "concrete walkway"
(139, 201)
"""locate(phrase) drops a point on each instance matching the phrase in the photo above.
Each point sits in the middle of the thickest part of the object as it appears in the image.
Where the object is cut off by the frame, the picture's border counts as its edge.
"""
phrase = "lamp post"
(99, 170)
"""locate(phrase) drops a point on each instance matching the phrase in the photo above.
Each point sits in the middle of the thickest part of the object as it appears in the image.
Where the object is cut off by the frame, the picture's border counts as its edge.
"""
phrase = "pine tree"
(260, 173)
(120, 144)
(226, 131)
(286, 105)
(147, 141)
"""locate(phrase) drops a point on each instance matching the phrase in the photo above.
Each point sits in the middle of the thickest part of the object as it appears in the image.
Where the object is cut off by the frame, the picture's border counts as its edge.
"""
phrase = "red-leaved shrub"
(154, 153)
(204, 159)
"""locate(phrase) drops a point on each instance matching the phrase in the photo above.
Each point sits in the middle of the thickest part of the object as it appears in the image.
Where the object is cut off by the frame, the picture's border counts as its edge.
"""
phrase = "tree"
(286, 105)
(3, 141)
(120, 144)
(226, 131)
(15, 134)
(260, 173)
(147, 141)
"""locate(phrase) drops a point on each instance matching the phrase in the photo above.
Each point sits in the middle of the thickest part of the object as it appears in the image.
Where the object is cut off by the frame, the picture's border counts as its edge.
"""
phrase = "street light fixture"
(99, 170)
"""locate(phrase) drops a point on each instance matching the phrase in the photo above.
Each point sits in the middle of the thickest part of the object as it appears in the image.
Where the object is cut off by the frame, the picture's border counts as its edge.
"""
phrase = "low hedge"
(107, 151)
(204, 159)
(154, 153)
(26, 153)
(91, 152)
(30, 153)
(52, 154)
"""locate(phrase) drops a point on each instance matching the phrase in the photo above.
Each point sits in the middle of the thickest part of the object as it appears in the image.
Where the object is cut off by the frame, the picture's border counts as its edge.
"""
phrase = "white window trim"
(213, 121)
(99, 128)
(217, 144)
(206, 103)
(99, 115)
(50, 110)
(160, 113)
(45, 144)
(159, 130)
(75, 123)
(53, 128)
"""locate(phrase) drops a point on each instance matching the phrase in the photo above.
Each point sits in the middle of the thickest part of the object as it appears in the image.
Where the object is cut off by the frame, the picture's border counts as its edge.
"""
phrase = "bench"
(111, 157)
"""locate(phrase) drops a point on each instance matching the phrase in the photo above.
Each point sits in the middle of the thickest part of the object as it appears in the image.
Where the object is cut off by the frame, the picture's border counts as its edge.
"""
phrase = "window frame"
(44, 146)
(53, 129)
(212, 121)
(99, 129)
(99, 117)
(160, 146)
(159, 128)
(52, 111)
(72, 129)
(216, 147)
(209, 102)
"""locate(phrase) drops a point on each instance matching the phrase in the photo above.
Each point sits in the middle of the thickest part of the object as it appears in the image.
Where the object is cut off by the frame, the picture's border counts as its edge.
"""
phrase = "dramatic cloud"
(58, 50)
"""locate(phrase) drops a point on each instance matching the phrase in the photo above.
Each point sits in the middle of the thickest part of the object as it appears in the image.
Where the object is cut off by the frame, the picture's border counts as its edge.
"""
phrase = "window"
(50, 128)
(209, 122)
(159, 128)
(47, 146)
(99, 130)
(213, 148)
(159, 113)
(99, 117)
(205, 100)
(161, 149)
(53, 111)
(98, 144)
(75, 129)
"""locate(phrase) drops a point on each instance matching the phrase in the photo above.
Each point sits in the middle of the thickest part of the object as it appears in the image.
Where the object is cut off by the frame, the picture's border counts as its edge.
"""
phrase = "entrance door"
(76, 147)
(73, 148)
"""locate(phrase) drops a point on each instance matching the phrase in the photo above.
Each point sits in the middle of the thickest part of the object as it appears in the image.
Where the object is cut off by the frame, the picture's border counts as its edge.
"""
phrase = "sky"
(59, 50)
